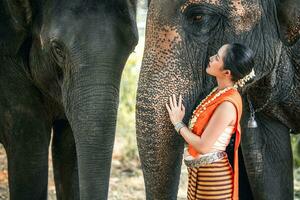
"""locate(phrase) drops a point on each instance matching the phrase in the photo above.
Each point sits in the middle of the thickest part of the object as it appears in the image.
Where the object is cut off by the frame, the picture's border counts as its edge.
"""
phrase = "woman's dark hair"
(239, 59)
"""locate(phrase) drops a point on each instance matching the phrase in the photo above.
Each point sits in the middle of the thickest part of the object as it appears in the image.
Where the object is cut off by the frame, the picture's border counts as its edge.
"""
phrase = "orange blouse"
(233, 96)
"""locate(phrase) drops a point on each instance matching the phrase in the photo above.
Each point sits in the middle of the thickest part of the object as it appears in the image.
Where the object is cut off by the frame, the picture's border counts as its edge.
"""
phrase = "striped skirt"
(211, 181)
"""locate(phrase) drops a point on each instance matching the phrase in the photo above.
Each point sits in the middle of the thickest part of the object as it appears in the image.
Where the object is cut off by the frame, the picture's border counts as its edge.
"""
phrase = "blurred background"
(126, 175)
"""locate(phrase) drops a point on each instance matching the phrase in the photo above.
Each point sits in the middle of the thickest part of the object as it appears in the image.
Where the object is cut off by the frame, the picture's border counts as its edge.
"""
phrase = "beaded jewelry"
(251, 122)
(204, 103)
(241, 82)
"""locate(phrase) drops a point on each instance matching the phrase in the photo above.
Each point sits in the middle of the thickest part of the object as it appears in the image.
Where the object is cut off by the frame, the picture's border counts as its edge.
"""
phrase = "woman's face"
(216, 63)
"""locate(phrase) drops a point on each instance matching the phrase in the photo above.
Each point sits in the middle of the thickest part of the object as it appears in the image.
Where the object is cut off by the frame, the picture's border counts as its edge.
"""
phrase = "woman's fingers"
(171, 102)
(182, 107)
(180, 101)
(168, 108)
(174, 100)
(174, 103)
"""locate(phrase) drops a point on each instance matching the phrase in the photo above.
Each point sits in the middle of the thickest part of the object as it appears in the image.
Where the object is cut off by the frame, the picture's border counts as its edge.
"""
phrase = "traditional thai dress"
(210, 175)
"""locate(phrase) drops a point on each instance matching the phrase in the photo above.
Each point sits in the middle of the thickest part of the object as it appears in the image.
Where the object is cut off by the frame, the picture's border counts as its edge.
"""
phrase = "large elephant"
(181, 35)
(60, 68)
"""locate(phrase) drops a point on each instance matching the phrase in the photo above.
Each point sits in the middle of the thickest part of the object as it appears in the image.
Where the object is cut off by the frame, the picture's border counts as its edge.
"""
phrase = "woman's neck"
(223, 83)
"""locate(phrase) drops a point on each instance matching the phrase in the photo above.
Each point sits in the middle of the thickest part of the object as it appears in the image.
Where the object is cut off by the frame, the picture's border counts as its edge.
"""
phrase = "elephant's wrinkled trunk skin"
(91, 102)
(162, 74)
(159, 146)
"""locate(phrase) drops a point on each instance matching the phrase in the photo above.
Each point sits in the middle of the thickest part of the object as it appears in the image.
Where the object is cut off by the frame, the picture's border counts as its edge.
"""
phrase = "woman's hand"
(176, 110)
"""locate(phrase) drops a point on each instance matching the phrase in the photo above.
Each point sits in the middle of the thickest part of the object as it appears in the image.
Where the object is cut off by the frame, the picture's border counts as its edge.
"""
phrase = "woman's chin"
(207, 71)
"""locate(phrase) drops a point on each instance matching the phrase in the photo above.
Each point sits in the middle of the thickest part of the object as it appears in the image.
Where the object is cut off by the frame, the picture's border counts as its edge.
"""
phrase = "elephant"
(60, 71)
(181, 35)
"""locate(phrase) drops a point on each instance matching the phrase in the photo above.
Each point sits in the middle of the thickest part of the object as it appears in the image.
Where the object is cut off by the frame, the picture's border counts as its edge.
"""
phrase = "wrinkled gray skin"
(180, 38)
(60, 67)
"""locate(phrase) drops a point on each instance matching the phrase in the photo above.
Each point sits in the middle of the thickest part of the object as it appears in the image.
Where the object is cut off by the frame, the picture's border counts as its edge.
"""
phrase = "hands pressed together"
(176, 109)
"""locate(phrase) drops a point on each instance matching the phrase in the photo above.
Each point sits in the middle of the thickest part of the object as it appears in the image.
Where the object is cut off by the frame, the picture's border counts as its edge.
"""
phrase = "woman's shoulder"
(227, 106)
(234, 94)
(234, 97)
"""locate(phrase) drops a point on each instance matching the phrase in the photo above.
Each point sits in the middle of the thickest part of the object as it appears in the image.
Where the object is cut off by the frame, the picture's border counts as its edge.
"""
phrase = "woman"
(213, 122)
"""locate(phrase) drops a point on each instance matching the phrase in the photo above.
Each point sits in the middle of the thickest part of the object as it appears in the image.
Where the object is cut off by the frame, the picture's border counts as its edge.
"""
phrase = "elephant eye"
(194, 17)
(197, 18)
(202, 21)
(197, 14)
(57, 52)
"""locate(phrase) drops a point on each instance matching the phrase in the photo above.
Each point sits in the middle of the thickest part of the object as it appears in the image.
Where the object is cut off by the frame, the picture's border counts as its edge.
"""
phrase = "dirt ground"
(126, 180)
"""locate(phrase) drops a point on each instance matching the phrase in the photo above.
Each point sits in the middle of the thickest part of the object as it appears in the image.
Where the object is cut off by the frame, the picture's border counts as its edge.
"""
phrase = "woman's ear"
(227, 73)
(288, 15)
(21, 13)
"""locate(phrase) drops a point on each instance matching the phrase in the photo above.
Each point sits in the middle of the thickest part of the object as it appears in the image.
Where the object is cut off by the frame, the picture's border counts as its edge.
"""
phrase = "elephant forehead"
(161, 57)
(190, 2)
(242, 14)
(163, 37)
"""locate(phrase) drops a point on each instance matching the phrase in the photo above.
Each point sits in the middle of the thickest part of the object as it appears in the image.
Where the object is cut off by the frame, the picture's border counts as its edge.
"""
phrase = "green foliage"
(126, 114)
(295, 139)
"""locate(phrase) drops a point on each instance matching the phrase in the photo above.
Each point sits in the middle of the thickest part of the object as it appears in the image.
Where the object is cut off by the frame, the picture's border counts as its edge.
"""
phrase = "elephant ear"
(20, 12)
(288, 13)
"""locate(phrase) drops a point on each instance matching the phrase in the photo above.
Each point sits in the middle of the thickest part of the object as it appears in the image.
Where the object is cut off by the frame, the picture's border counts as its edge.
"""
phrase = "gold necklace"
(204, 103)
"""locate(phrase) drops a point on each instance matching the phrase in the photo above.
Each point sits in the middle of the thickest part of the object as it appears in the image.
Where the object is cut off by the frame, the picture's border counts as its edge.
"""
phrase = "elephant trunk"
(91, 98)
(160, 147)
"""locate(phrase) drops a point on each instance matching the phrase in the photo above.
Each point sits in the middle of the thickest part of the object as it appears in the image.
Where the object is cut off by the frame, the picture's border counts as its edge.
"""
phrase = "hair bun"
(241, 82)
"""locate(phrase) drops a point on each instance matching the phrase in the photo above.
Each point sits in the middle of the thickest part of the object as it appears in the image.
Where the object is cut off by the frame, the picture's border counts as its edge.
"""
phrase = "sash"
(233, 96)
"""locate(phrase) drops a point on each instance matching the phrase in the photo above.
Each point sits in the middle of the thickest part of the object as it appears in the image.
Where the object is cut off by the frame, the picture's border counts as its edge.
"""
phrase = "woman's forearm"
(192, 139)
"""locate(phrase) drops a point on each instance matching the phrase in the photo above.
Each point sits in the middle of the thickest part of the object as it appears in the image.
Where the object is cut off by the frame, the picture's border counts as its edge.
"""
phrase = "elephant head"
(180, 38)
(75, 52)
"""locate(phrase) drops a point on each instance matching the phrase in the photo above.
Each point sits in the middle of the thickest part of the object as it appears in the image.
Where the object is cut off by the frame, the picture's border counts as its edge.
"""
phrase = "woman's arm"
(223, 116)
